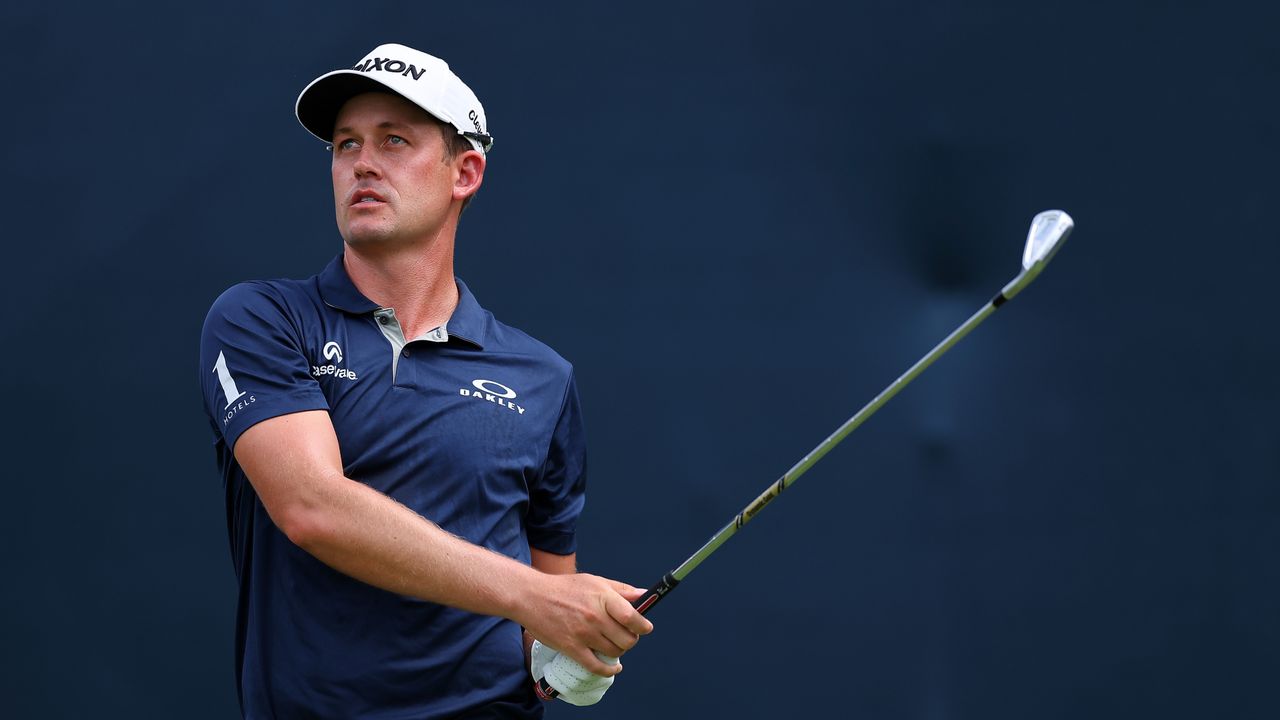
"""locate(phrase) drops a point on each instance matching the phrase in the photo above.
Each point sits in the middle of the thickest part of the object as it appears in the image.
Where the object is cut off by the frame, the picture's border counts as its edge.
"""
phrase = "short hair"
(455, 143)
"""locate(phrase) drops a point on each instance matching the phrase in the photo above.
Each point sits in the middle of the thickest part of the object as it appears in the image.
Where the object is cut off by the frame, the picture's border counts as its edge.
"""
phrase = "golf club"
(1048, 231)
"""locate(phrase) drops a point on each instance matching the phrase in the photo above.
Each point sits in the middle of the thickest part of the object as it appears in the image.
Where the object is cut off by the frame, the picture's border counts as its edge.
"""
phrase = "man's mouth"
(366, 197)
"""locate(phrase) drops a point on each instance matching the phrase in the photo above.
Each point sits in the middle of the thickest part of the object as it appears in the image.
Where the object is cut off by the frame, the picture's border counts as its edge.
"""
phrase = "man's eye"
(347, 144)
(396, 140)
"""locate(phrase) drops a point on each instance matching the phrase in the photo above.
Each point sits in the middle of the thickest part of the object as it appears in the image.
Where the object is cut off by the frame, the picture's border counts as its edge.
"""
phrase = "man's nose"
(365, 163)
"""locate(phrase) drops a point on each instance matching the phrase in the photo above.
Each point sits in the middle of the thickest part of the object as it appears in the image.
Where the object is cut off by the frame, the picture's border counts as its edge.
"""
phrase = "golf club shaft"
(669, 581)
(1048, 231)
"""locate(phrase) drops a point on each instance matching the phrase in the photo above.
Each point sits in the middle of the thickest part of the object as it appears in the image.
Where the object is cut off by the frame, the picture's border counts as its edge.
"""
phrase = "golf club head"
(1049, 230)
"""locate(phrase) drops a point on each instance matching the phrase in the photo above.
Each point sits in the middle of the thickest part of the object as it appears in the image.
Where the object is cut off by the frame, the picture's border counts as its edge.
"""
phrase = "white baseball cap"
(422, 79)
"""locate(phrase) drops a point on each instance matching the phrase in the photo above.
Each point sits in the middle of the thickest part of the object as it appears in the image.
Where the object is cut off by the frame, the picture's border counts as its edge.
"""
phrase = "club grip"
(644, 604)
(651, 596)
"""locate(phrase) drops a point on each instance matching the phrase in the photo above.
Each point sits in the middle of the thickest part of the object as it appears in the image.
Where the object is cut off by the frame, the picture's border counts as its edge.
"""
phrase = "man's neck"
(417, 284)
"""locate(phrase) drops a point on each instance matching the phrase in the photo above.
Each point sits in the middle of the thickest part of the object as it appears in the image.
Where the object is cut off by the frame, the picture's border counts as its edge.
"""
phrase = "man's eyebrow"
(384, 125)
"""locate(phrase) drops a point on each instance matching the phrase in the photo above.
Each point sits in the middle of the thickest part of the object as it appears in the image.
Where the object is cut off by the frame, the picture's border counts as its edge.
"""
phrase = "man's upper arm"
(287, 460)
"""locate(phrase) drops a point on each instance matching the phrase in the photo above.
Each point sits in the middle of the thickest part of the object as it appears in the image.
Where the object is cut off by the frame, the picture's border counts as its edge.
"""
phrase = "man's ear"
(469, 174)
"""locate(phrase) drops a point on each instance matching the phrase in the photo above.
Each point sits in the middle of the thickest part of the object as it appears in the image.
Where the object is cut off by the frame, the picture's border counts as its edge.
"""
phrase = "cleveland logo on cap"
(389, 65)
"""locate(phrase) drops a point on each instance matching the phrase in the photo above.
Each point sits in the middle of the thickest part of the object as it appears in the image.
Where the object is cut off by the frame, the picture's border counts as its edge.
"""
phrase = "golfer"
(403, 472)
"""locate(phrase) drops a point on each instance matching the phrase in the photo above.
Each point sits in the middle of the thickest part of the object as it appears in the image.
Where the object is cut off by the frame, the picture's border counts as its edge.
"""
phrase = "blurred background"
(740, 221)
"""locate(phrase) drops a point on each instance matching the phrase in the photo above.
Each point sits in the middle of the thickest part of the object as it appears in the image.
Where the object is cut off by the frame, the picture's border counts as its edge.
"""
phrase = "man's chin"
(368, 236)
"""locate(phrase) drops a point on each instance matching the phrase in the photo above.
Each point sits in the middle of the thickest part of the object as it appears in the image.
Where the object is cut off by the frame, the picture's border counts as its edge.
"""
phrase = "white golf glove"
(576, 684)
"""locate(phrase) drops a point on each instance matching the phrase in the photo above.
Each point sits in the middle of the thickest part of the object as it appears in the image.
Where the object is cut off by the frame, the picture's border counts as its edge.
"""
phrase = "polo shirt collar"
(337, 290)
(468, 323)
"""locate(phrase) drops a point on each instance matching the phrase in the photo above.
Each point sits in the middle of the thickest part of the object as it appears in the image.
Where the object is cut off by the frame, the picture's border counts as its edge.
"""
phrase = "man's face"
(392, 181)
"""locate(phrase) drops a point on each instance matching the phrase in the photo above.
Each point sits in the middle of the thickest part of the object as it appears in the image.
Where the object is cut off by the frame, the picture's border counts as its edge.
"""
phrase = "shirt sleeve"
(556, 500)
(253, 365)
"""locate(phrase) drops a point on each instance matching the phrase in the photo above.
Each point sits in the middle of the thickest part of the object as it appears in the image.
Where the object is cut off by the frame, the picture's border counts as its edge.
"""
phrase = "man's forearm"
(371, 537)
(295, 466)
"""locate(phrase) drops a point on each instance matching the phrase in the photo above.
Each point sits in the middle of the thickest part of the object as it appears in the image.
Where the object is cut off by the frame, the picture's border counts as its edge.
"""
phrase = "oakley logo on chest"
(333, 353)
(494, 392)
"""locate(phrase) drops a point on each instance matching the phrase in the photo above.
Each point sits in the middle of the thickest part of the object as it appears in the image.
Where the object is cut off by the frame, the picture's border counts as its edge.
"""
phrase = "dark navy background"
(740, 221)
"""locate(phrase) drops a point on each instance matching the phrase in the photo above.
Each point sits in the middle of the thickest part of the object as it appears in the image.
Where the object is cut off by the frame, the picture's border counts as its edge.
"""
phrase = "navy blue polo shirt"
(475, 426)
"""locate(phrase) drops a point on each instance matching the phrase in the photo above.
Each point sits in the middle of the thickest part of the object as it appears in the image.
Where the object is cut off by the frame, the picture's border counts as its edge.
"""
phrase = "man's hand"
(582, 615)
(573, 682)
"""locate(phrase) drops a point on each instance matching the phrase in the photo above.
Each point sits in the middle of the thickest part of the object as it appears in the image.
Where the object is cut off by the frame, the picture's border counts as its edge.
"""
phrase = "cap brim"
(318, 105)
